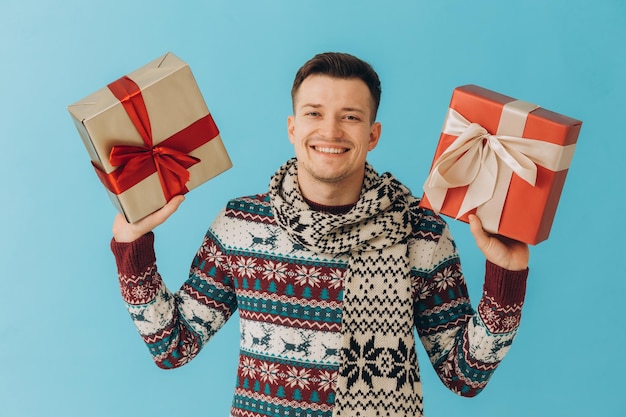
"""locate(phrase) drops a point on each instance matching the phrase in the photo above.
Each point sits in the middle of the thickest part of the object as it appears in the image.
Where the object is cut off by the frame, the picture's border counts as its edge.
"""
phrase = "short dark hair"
(340, 65)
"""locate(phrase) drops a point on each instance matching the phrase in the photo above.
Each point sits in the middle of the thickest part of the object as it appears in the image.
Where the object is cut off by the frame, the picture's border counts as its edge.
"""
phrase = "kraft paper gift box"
(150, 136)
(504, 160)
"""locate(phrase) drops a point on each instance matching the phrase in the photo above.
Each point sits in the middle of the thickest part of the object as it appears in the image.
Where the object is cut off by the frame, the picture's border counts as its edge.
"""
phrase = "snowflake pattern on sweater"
(290, 306)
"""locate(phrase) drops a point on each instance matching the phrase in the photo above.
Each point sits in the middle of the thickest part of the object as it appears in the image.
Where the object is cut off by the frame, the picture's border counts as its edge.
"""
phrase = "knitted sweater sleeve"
(174, 326)
(464, 345)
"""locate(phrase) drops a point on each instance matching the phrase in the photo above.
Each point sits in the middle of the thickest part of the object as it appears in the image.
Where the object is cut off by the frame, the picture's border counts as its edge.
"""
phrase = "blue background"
(67, 345)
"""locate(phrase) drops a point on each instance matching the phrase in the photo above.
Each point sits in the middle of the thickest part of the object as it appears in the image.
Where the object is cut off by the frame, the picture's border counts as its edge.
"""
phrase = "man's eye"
(352, 117)
(312, 114)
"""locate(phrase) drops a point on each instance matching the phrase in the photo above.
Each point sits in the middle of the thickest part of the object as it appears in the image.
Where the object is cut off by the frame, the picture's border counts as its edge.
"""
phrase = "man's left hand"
(506, 253)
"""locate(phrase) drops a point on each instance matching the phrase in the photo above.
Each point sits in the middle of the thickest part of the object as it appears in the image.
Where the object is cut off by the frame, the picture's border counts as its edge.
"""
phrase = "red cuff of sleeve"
(134, 257)
(507, 287)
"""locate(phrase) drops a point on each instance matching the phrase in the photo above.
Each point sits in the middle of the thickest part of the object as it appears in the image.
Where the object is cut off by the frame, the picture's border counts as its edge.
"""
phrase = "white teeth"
(330, 150)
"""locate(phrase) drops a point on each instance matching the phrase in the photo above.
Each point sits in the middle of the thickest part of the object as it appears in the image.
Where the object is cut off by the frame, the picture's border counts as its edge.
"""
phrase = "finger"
(128, 232)
(166, 211)
(476, 228)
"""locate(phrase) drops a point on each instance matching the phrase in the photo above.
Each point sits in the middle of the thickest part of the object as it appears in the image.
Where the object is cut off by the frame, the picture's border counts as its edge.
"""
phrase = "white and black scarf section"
(378, 372)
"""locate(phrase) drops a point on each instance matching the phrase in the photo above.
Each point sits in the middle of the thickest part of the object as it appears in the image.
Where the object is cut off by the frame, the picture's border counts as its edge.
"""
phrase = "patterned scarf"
(378, 374)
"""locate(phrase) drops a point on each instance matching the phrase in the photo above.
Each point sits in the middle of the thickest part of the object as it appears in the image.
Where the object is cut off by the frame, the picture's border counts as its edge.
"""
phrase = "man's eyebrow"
(355, 109)
(317, 106)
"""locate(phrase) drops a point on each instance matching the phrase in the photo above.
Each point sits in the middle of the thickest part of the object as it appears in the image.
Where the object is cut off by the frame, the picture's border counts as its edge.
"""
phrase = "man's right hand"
(124, 232)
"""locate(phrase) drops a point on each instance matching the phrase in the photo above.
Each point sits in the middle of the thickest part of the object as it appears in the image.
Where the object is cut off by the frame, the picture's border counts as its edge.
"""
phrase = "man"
(331, 271)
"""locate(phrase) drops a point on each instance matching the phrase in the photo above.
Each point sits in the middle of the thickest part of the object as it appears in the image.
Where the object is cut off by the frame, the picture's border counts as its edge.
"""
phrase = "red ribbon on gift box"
(169, 158)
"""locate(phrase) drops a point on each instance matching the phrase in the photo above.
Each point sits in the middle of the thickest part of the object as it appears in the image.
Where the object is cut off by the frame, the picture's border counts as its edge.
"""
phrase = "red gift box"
(150, 136)
(504, 160)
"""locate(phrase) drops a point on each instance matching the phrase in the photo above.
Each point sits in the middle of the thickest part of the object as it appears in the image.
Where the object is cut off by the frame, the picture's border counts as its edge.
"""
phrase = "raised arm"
(174, 326)
(465, 345)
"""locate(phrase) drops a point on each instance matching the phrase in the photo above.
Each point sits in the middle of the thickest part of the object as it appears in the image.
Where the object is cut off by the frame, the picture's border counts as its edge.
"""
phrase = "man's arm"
(465, 345)
(174, 326)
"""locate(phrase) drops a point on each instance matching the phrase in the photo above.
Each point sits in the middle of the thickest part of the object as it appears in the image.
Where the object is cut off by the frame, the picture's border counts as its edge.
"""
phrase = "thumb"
(476, 228)
(159, 216)
(128, 232)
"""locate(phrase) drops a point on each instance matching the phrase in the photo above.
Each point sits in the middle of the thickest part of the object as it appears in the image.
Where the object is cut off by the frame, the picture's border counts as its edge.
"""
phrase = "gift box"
(504, 160)
(150, 136)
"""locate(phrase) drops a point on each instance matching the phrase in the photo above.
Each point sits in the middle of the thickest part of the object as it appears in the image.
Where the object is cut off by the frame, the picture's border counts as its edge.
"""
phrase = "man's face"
(332, 131)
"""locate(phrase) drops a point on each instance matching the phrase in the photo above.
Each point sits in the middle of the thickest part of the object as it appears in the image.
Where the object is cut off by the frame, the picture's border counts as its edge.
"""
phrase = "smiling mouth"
(327, 150)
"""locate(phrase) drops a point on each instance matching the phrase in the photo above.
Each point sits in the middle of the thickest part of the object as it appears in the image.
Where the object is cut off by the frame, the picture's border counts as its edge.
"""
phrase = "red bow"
(169, 158)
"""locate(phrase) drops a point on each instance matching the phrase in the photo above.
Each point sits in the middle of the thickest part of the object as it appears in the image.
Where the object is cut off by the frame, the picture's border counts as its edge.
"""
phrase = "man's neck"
(331, 196)
(329, 193)
(343, 209)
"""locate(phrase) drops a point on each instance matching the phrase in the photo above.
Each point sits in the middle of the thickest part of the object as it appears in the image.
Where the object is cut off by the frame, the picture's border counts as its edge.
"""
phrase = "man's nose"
(331, 128)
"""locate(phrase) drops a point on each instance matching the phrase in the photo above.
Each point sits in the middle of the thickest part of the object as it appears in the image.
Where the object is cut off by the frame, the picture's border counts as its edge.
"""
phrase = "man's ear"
(290, 127)
(375, 132)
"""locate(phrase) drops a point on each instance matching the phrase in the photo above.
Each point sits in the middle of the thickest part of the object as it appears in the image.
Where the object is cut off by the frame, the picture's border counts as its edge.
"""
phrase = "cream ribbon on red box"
(487, 162)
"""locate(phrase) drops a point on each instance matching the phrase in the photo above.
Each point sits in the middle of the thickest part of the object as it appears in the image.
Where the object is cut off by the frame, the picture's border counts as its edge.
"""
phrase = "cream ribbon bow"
(487, 162)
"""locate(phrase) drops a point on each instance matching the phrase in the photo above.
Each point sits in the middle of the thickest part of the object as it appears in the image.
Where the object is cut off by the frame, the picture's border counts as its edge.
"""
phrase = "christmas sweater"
(289, 302)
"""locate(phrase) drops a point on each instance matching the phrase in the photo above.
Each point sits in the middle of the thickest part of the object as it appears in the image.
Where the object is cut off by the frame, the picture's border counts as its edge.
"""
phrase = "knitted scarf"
(378, 374)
